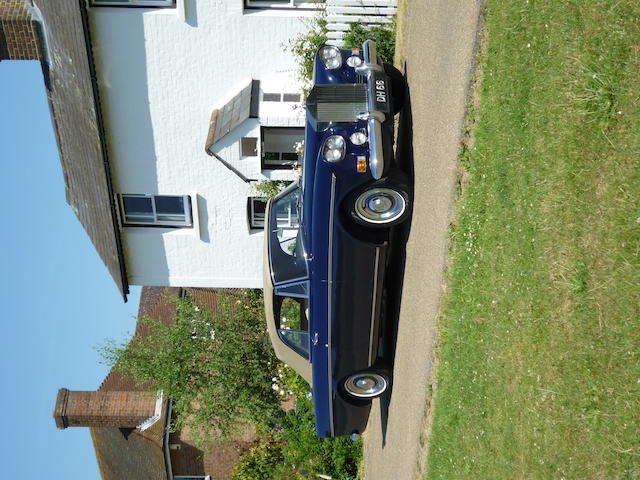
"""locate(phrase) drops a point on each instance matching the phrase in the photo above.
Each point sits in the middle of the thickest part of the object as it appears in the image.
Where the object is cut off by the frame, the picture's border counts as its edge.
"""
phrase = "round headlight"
(333, 150)
(354, 61)
(358, 138)
(331, 57)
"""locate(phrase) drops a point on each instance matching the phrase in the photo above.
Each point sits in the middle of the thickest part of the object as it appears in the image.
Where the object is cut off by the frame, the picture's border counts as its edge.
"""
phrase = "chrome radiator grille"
(337, 103)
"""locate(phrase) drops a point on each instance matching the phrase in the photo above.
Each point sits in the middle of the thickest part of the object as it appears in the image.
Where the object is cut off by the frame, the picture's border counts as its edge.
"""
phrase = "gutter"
(103, 144)
(167, 453)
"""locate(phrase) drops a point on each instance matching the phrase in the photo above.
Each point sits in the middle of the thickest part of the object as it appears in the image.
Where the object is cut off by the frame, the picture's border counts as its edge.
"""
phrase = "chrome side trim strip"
(330, 299)
(373, 305)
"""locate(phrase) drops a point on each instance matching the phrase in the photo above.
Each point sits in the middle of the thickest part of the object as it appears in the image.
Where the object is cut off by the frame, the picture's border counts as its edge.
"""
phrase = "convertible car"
(327, 238)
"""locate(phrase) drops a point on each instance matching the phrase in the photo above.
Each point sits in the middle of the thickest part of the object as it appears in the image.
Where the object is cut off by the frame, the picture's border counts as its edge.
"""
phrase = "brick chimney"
(105, 409)
(19, 32)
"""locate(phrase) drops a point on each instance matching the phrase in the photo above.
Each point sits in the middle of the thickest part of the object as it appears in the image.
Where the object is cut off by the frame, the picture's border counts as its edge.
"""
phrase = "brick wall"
(218, 459)
(19, 33)
(103, 409)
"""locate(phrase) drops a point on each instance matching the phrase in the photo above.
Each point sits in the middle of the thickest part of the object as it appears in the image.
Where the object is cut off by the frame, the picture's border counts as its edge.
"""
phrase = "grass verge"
(539, 373)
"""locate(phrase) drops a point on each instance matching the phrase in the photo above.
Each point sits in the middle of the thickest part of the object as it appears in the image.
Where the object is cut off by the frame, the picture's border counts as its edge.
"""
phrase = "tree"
(217, 368)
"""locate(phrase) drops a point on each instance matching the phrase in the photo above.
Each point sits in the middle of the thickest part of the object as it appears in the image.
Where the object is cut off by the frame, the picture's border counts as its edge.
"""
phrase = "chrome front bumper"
(373, 117)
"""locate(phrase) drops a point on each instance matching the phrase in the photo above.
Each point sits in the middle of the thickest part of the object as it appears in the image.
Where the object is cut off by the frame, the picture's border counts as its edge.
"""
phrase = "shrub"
(304, 47)
(336, 457)
(385, 38)
(269, 188)
(216, 368)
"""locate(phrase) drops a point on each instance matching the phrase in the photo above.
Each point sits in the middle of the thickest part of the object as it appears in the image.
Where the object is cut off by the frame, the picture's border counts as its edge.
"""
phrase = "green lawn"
(539, 352)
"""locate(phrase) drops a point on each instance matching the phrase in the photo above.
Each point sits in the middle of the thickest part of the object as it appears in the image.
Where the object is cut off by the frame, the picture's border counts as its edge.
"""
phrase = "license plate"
(380, 92)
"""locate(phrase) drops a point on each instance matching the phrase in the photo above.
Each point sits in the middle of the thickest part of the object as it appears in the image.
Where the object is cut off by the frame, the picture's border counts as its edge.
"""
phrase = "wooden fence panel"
(341, 14)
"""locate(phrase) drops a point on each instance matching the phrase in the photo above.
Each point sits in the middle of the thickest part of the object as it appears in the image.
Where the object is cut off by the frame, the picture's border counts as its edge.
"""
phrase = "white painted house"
(166, 112)
(168, 77)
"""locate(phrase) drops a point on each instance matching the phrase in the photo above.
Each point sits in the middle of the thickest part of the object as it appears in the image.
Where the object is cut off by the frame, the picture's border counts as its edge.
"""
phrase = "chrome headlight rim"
(331, 57)
(334, 148)
(359, 138)
(353, 61)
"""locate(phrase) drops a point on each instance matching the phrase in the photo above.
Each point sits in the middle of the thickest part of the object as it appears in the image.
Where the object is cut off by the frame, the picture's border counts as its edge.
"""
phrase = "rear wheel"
(367, 384)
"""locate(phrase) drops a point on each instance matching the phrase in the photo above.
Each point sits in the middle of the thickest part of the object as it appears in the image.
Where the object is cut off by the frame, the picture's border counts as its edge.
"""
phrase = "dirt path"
(439, 48)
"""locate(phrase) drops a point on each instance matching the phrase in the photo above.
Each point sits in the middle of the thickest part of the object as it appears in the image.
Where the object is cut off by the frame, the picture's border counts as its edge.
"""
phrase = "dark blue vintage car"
(327, 238)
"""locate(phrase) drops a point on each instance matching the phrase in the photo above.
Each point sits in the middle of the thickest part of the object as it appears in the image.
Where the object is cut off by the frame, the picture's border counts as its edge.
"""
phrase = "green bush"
(385, 38)
(259, 462)
(216, 368)
(294, 451)
(336, 457)
(269, 188)
(305, 46)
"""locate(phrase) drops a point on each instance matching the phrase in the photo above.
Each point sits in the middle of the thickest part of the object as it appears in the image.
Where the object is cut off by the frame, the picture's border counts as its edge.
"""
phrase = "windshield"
(285, 244)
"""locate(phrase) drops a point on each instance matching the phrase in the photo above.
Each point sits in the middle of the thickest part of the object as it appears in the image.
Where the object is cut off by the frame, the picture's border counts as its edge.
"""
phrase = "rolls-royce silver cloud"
(327, 238)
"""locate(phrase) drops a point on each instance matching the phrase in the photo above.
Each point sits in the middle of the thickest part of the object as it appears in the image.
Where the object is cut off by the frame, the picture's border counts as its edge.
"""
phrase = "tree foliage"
(217, 368)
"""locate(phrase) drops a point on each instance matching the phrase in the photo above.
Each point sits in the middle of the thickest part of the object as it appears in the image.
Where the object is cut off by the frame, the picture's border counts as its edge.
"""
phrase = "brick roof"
(77, 121)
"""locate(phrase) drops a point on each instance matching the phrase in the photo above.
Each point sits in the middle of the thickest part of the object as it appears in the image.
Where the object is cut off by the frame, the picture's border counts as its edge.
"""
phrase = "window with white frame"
(134, 3)
(279, 147)
(249, 147)
(281, 97)
(256, 210)
(302, 4)
(156, 210)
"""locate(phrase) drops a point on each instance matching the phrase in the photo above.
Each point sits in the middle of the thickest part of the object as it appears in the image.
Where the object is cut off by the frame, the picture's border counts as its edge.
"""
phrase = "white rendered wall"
(160, 76)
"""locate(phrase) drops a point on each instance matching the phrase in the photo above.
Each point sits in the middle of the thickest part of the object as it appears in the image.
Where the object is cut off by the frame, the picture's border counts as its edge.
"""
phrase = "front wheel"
(381, 205)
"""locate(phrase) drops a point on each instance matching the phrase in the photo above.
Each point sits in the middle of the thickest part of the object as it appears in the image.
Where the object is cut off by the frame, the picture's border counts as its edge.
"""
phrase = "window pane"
(300, 290)
(137, 219)
(299, 341)
(137, 205)
(291, 97)
(171, 218)
(249, 147)
(169, 205)
(259, 205)
(271, 97)
(288, 261)
(292, 323)
(290, 156)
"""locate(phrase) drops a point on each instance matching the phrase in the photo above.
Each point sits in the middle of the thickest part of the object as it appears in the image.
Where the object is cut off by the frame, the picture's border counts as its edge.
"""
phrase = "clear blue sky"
(59, 300)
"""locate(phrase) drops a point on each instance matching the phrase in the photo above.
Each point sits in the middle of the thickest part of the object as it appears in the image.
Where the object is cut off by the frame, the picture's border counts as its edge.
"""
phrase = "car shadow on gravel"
(397, 255)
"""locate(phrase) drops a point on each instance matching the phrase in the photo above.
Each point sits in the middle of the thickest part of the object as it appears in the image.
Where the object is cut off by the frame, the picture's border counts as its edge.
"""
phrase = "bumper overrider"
(372, 69)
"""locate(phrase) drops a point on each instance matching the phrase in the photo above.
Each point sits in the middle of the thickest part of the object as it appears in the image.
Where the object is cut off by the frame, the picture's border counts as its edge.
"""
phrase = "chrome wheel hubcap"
(366, 385)
(380, 205)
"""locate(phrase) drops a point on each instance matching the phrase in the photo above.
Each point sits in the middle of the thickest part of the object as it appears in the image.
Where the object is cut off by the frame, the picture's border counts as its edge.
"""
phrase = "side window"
(292, 323)
(156, 210)
(286, 252)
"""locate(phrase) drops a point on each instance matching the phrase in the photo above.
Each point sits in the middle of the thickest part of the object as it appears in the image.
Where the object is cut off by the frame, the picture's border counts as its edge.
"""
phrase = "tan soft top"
(283, 351)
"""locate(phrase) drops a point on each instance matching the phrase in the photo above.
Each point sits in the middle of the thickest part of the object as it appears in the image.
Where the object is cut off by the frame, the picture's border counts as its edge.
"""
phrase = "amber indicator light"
(362, 164)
